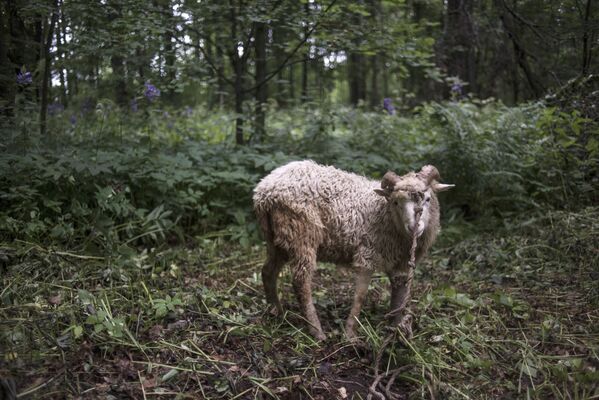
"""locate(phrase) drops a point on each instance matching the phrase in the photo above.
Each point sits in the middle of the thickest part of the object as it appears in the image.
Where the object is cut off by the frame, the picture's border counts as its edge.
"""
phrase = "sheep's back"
(305, 184)
(342, 203)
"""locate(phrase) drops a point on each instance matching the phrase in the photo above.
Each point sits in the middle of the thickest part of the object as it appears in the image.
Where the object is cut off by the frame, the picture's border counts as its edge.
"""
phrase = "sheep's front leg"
(303, 270)
(362, 281)
(401, 294)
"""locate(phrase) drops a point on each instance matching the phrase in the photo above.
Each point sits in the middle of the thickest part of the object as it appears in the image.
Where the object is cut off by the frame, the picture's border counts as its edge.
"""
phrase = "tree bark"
(519, 52)
(459, 41)
(357, 79)
(375, 94)
(60, 56)
(306, 62)
(586, 51)
(71, 77)
(237, 64)
(7, 73)
(45, 89)
(262, 89)
(219, 79)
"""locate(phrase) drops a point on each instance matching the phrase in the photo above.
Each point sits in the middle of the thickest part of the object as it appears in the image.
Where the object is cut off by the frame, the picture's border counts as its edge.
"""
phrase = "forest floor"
(506, 311)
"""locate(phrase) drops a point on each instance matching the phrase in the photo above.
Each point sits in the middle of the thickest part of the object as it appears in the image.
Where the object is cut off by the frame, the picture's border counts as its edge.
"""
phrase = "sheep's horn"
(389, 181)
(429, 173)
(441, 187)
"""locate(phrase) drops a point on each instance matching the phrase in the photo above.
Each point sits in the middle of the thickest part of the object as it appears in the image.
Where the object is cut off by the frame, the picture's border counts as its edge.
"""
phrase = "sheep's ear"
(383, 193)
(441, 187)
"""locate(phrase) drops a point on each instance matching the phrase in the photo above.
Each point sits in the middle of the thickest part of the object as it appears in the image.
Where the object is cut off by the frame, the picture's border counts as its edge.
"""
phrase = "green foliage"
(116, 181)
(508, 312)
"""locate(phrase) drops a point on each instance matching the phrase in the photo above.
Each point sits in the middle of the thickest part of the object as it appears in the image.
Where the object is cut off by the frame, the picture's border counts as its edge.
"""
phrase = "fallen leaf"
(55, 300)
(149, 383)
(342, 392)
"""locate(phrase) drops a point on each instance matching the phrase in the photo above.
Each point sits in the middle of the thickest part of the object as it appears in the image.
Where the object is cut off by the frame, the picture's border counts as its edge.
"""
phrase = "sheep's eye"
(427, 200)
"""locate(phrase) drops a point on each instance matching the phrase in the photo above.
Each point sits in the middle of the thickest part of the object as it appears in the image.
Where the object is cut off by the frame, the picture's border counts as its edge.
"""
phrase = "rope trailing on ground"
(405, 325)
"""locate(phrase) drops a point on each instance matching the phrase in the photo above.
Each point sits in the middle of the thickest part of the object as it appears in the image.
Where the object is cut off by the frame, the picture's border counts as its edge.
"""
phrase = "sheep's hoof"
(275, 310)
(319, 335)
(405, 326)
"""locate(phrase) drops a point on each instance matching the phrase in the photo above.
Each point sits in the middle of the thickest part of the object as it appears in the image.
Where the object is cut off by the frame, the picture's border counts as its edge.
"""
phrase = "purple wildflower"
(188, 111)
(151, 92)
(134, 106)
(55, 108)
(456, 90)
(88, 105)
(73, 119)
(24, 78)
(388, 106)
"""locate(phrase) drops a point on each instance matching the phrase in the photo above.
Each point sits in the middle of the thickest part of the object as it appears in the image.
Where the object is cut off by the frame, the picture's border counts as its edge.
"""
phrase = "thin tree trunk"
(519, 51)
(304, 92)
(375, 94)
(60, 56)
(357, 83)
(219, 79)
(236, 61)
(7, 74)
(71, 77)
(292, 82)
(262, 89)
(119, 79)
(586, 52)
(45, 89)
(305, 63)
(282, 87)
(459, 42)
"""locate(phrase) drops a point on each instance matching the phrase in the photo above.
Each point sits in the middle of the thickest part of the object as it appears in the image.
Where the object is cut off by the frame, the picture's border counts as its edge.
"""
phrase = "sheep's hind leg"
(362, 281)
(270, 274)
(303, 269)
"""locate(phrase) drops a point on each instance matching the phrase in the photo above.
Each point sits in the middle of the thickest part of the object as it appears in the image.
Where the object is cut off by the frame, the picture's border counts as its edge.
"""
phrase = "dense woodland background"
(133, 133)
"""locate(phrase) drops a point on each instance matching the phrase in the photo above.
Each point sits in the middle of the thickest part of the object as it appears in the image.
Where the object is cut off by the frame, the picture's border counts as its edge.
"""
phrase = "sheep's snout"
(410, 228)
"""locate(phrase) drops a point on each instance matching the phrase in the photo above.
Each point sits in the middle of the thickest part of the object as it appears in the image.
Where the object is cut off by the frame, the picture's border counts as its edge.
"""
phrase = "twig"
(38, 387)
(143, 390)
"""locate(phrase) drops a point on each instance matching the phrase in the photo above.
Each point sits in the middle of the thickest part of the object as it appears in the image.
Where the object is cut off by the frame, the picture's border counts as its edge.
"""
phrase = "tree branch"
(289, 56)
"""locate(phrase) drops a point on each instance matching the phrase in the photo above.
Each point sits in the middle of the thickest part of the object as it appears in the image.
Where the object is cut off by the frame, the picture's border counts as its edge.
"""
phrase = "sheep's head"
(411, 195)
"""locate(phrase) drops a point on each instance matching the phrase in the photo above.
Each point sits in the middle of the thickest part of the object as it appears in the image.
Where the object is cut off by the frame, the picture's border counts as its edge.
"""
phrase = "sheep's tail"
(265, 223)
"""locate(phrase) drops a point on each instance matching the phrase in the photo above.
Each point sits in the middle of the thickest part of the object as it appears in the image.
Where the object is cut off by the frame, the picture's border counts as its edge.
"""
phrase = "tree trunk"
(282, 84)
(292, 82)
(262, 88)
(71, 78)
(357, 80)
(586, 51)
(375, 94)
(459, 41)
(119, 79)
(306, 61)
(236, 61)
(45, 89)
(219, 79)
(60, 56)
(304, 92)
(169, 53)
(7, 73)
(519, 52)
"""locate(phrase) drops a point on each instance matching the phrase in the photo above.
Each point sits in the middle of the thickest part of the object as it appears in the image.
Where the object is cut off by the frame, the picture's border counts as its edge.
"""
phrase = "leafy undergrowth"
(507, 312)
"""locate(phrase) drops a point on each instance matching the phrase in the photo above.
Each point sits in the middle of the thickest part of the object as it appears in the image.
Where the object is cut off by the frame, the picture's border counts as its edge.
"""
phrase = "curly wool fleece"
(309, 212)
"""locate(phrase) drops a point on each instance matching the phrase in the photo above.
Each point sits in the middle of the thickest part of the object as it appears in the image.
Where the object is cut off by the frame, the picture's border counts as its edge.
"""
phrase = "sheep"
(309, 212)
